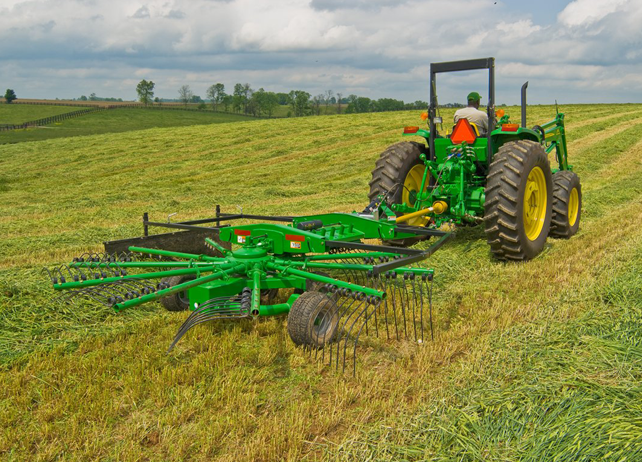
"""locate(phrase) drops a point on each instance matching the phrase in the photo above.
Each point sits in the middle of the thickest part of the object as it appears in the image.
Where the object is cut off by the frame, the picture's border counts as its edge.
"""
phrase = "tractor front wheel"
(567, 204)
(313, 319)
(519, 199)
(177, 301)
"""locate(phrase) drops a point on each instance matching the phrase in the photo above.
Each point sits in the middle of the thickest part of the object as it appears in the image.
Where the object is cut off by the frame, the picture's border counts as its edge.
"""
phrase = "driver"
(473, 114)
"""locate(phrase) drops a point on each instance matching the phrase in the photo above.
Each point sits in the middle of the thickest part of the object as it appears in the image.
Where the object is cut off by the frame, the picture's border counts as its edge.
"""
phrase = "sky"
(579, 51)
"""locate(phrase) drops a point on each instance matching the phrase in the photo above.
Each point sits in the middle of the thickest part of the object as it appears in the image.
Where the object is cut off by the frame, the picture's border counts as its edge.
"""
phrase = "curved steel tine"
(340, 330)
(414, 305)
(356, 340)
(350, 312)
(213, 305)
(198, 317)
(404, 303)
(348, 336)
(51, 276)
(384, 286)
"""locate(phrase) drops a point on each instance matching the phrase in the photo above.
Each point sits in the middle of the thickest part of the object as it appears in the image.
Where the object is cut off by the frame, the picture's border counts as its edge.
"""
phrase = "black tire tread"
(563, 183)
(172, 302)
(299, 316)
(388, 173)
(502, 209)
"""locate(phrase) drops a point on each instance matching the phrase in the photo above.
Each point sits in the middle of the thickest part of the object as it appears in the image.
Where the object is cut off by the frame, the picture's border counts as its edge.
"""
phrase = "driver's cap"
(474, 96)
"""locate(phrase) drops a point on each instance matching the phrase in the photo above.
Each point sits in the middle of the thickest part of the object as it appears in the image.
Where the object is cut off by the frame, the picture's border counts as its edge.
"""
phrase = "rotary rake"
(335, 287)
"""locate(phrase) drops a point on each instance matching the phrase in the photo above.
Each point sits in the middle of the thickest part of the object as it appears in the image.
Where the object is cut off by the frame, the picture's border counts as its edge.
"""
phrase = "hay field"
(116, 120)
(530, 360)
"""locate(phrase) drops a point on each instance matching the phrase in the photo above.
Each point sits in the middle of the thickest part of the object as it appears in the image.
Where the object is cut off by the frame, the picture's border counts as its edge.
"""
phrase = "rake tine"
(432, 335)
(384, 286)
(356, 340)
(208, 316)
(351, 302)
(420, 283)
(198, 317)
(404, 304)
(58, 270)
(392, 276)
(339, 302)
(349, 276)
(206, 311)
(411, 276)
(53, 279)
(375, 279)
(348, 336)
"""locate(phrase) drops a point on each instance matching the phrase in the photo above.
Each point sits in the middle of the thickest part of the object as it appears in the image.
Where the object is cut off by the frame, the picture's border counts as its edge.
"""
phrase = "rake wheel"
(313, 320)
(519, 197)
(178, 301)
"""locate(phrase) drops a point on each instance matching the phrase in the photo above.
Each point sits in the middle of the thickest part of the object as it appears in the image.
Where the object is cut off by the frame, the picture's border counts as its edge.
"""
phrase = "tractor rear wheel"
(398, 172)
(313, 319)
(567, 204)
(178, 301)
(519, 199)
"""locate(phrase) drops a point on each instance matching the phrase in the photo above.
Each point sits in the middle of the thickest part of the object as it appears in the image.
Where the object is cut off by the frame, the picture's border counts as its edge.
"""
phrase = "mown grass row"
(559, 389)
(89, 384)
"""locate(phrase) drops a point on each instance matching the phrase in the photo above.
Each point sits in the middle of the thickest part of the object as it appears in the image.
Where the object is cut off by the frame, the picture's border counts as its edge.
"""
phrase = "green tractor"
(502, 178)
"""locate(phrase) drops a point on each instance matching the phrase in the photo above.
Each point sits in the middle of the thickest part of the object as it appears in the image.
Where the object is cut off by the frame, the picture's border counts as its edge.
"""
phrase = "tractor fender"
(421, 132)
(500, 137)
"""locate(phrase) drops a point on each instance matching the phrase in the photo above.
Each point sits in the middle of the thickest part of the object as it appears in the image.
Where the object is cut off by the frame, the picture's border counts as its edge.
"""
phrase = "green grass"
(525, 354)
(111, 121)
(556, 389)
(15, 114)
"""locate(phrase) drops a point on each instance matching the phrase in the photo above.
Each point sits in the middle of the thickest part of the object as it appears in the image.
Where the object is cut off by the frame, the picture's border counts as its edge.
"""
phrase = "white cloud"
(376, 48)
(587, 12)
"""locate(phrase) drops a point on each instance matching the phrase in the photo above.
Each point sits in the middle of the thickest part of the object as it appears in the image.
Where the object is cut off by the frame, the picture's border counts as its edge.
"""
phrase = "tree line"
(261, 103)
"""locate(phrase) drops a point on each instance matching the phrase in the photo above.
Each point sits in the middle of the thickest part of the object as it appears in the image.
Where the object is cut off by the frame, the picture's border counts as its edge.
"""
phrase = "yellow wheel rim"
(535, 203)
(573, 207)
(411, 186)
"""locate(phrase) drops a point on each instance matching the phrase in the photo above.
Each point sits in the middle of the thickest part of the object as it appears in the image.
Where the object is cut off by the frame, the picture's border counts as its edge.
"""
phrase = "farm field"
(110, 121)
(15, 114)
(530, 360)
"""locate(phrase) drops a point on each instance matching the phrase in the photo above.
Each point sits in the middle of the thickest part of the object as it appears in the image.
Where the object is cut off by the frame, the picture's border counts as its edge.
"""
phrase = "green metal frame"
(271, 256)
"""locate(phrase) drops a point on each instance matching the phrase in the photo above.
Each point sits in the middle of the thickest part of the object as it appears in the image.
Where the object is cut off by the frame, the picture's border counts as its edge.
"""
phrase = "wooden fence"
(96, 108)
(51, 119)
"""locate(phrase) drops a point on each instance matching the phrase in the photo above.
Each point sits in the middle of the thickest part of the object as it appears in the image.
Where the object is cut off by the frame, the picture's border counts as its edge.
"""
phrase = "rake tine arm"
(149, 264)
(154, 275)
(168, 253)
(239, 268)
(325, 279)
(217, 246)
(383, 267)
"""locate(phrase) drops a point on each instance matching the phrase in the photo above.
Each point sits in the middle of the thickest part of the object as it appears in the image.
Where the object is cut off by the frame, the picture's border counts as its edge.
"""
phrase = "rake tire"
(504, 206)
(313, 320)
(389, 174)
(177, 301)
(563, 184)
